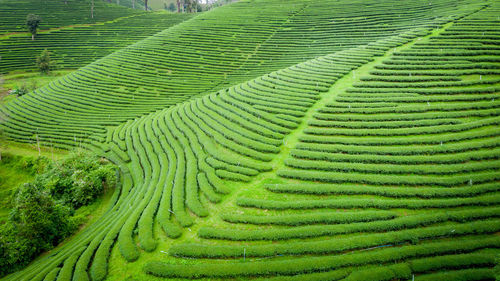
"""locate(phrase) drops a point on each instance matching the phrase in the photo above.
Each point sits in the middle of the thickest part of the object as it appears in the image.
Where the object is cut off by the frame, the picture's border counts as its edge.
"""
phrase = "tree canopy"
(33, 21)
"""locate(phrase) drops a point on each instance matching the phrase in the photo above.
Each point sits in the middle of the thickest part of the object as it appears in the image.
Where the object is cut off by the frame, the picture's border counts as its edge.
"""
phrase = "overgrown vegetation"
(43, 210)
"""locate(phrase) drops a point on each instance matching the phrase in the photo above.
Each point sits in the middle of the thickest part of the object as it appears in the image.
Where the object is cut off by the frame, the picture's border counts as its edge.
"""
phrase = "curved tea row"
(352, 194)
(396, 177)
(212, 51)
(177, 162)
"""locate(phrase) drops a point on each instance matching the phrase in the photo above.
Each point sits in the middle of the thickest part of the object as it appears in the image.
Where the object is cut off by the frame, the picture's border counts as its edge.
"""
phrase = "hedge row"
(492, 153)
(446, 180)
(311, 264)
(337, 165)
(312, 218)
(335, 245)
(483, 200)
(386, 191)
(311, 231)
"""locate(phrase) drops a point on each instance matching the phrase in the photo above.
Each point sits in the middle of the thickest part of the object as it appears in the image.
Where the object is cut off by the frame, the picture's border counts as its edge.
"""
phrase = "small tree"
(44, 62)
(33, 21)
(171, 7)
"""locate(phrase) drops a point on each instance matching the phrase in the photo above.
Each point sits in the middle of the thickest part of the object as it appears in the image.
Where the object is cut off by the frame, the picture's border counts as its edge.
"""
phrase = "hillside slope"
(379, 154)
(72, 47)
(211, 51)
(55, 13)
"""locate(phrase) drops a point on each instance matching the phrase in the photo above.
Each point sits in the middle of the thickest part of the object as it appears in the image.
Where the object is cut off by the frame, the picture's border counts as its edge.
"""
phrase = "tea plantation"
(281, 140)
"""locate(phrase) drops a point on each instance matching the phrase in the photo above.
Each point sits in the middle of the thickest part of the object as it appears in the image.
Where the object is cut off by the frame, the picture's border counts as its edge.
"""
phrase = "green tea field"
(271, 139)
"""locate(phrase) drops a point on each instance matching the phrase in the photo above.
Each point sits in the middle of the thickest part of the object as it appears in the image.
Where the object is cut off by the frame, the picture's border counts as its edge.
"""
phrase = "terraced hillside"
(56, 13)
(74, 47)
(211, 51)
(371, 161)
(136, 4)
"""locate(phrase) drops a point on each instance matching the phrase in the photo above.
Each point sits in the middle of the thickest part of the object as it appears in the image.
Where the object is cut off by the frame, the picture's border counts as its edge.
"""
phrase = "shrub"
(44, 62)
(42, 215)
(36, 224)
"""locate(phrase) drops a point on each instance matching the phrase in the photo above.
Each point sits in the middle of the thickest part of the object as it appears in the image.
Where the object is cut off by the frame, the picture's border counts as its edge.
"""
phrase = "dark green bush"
(79, 179)
(42, 214)
(36, 224)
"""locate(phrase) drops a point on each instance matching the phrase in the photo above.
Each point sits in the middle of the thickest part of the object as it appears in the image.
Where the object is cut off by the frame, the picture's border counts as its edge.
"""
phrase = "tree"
(44, 62)
(43, 209)
(190, 5)
(171, 7)
(38, 217)
(146, 5)
(178, 6)
(33, 21)
(92, 9)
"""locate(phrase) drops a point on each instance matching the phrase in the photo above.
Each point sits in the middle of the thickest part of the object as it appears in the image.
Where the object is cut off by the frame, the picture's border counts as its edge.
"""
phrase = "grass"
(13, 173)
(31, 80)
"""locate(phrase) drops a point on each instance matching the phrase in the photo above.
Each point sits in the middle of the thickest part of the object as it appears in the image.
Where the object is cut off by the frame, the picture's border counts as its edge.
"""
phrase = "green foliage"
(171, 7)
(453, 262)
(42, 213)
(36, 215)
(334, 245)
(352, 226)
(391, 272)
(382, 203)
(37, 223)
(32, 22)
(20, 90)
(57, 13)
(460, 275)
(79, 179)
(14, 171)
(414, 159)
(311, 218)
(323, 263)
(94, 41)
(44, 62)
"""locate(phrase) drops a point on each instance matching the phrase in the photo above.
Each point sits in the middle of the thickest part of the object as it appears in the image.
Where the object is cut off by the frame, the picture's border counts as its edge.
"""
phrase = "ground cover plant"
(327, 140)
